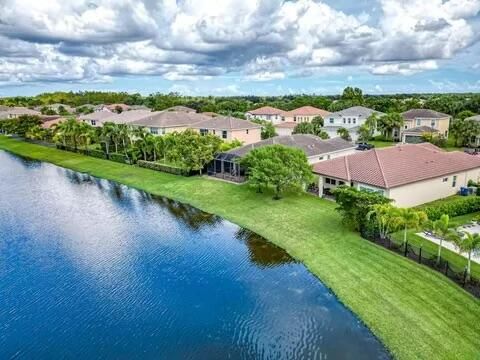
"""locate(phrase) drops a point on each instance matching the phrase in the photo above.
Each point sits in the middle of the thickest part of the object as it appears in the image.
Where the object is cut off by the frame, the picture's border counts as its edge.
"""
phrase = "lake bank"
(416, 312)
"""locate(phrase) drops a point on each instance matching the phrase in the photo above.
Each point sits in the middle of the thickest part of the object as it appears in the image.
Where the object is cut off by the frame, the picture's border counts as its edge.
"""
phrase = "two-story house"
(418, 122)
(351, 119)
(267, 113)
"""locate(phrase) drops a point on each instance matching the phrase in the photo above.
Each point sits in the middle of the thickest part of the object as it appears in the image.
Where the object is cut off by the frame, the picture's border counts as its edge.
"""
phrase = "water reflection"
(93, 269)
(262, 252)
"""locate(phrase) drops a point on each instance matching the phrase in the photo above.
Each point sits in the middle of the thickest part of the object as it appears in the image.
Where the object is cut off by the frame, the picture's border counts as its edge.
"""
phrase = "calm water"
(92, 269)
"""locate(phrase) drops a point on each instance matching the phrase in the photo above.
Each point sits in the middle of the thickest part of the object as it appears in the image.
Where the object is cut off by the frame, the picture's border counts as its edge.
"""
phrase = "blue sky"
(236, 47)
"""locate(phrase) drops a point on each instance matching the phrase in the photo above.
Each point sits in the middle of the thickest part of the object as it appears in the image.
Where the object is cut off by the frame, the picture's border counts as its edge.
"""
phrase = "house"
(417, 119)
(304, 114)
(96, 118)
(476, 140)
(17, 111)
(410, 174)
(163, 122)
(48, 123)
(285, 128)
(226, 165)
(266, 113)
(112, 107)
(351, 119)
(229, 128)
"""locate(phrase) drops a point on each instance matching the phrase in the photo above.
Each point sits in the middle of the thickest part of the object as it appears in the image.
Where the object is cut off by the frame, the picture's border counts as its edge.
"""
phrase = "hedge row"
(455, 207)
(164, 168)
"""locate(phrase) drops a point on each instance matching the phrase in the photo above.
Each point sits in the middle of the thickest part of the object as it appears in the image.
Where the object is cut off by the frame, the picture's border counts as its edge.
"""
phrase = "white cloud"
(263, 40)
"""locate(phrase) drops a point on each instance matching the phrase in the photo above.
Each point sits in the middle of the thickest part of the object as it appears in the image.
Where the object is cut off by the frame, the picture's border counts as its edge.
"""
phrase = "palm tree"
(106, 135)
(387, 218)
(441, 228)
(60, 131)
(157, 146)
(143, 141)
(116, 136)
(468, 243)
(124, 135)
(87, 135)
(411, 219)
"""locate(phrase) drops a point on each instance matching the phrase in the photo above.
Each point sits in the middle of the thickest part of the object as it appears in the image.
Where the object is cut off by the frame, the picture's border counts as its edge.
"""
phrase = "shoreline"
(391, 295)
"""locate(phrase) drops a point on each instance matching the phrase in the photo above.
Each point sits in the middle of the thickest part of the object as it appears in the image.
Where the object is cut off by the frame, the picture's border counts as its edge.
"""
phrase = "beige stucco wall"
(253, 135)
(430, 190)
(274, 119)
(300, 118)
(440, 124)
(283, 131)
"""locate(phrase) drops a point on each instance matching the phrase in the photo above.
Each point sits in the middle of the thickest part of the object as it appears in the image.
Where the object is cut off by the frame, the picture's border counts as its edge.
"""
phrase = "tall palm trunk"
(405, 235)
(440, 249)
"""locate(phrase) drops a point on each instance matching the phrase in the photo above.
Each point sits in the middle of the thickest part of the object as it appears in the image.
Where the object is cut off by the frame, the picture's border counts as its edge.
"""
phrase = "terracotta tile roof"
(398, 165)
(286, 125)
(266, 110)
(307, 111)
(423, 113)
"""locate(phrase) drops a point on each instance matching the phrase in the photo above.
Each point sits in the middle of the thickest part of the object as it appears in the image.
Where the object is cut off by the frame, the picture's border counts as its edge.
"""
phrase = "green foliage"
(19, 126)
(268, 130)
(388, 122)
(229, 145)
(354, 205)
(344, 134)
(313, 128)
(453, 207)
(279, 167)
(464, 132)
(164, 168)
(435, 139)
(355, 95)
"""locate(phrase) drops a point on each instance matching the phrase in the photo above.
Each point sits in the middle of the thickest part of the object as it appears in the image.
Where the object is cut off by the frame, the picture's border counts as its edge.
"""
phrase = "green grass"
(415, 311)
(381, 144)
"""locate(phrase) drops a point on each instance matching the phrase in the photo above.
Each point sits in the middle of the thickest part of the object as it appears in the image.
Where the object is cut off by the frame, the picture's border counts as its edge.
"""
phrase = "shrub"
(164, 168)
(455, 207)
(97, 153)
(120, 158)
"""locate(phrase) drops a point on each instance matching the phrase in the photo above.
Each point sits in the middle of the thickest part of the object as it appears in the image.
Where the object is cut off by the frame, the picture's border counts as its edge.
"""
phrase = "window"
(153, 130)
(320, 158)
(433, 123)
(330, 181)
(354, 120)
(419, 122)
(344, 120)
(268, 117)
(454, 182)
(163, 131)
(94, 122)
(406, 127)
(349, 120)
(224, 134)
(332, 120)
(340, 183)
(295, 118)
(445, 179)
(213, 131)
(247, 131)
(203, 132)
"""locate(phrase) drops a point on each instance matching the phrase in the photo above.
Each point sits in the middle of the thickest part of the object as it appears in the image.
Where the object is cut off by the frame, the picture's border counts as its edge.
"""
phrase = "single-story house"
(267, 113)
(351, 119)
(423, 118)
(226, 164)
(304, 114)
(17, 111)
(410, 174)
(96, 118)
(229, 128)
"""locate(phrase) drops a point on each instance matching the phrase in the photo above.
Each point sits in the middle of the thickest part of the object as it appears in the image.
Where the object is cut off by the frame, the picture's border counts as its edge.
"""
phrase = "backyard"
(416, 312)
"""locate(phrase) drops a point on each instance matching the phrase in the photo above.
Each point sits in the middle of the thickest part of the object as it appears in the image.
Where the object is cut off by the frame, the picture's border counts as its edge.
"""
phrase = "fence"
(424, 257)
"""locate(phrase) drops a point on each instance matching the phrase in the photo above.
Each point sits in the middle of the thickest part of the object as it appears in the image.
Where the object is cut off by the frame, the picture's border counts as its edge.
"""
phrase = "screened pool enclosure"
(226, 166)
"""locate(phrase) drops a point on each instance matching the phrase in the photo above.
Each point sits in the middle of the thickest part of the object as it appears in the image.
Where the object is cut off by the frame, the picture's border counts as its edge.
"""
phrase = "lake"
(90, 269)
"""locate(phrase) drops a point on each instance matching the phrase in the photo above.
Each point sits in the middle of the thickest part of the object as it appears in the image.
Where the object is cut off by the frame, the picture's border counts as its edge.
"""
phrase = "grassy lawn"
(416, 312)
(382, 144)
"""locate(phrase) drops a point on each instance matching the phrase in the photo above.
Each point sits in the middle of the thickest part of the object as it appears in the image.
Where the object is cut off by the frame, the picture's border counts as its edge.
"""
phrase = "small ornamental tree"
(279, 167)
(344, 134)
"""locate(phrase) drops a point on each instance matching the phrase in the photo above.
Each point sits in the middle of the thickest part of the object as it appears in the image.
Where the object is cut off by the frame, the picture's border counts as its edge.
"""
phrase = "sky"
(239, 47)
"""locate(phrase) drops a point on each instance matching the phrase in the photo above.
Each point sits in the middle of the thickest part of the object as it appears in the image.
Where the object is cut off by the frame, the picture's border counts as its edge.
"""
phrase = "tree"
(354, 205)
(467, 243)
(304, 128)
(441, 228)
(278, 166)
(387, 218)
(344, 134)
(318, 122)
(411, 219)
(464, 114)
(106, 135)
(323, 135)
(388, 122)
(367, 130)
(36, 132)
(364, 133)
(354, 95)
(268, 131)
(118, 109)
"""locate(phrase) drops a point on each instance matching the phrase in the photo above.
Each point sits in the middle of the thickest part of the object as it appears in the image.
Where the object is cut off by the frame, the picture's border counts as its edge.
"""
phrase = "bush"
(120, 158)
(164, 168)
(97, 153)
(454, 207)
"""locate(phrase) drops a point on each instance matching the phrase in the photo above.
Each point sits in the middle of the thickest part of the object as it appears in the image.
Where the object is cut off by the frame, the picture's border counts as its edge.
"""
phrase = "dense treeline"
(452, 104)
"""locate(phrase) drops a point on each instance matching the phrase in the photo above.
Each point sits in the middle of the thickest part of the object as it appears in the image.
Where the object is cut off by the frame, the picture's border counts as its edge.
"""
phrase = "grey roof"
(423, 113)
(226, 123)
(421, 130)
(476, 118)
(311, 145)
(97, 115)
(18, 110)
(359, 111)
(181, 108)
(127, 117)
(164, 119)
